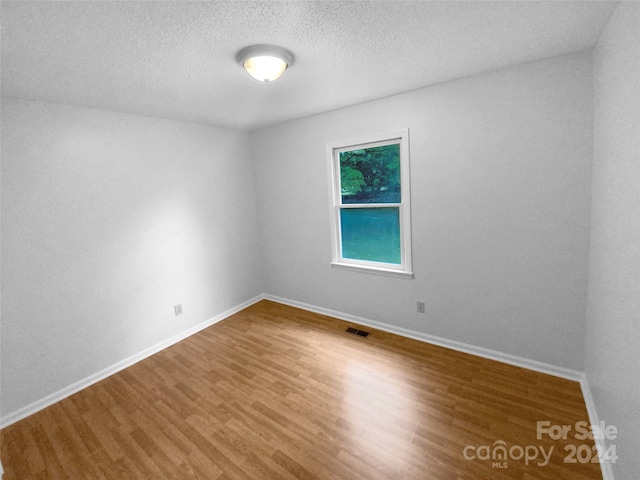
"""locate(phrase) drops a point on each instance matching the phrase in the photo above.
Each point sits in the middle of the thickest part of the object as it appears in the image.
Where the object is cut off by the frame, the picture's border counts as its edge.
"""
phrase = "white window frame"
(404, 269)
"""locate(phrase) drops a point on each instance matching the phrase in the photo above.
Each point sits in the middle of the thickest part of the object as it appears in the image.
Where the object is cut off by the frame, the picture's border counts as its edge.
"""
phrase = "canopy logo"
(500, 453)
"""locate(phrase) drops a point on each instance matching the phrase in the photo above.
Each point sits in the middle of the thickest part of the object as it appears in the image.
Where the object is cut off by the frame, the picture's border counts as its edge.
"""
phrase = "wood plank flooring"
(275, 392)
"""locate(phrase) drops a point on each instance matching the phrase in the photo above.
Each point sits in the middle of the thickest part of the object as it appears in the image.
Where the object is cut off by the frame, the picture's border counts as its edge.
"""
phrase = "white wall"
(613, 325)
(108, 220)
(501, 179)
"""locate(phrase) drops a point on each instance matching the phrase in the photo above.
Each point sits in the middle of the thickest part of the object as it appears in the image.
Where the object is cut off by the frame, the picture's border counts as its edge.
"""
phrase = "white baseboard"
(594, 419)
(443, 342)
(121, 365)
(527, 363)
(522, 362)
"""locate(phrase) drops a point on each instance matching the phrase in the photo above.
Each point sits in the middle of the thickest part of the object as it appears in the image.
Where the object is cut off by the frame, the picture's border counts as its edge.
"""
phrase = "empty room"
(362, 240)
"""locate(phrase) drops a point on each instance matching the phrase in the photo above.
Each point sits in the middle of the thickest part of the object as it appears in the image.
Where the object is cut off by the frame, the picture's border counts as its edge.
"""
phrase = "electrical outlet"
(177, 309)
(420, 307)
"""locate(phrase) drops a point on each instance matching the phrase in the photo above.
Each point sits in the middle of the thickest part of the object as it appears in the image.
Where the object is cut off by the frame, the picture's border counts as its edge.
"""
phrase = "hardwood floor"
(275, 392)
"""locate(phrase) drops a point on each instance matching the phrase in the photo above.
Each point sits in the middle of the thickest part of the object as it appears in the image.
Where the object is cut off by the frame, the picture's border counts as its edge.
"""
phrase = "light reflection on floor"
(378, 401)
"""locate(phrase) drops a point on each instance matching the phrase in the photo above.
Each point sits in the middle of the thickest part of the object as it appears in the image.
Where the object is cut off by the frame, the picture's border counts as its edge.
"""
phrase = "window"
(371, 217)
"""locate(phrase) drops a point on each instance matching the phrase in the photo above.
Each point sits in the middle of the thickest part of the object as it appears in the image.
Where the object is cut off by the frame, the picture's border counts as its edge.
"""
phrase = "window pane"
(370, 175)
(371, 234)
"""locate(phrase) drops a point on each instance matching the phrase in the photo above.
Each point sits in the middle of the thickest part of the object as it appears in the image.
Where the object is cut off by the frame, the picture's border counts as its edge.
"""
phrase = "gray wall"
(501, 181)
(108, 220)
(613, 322)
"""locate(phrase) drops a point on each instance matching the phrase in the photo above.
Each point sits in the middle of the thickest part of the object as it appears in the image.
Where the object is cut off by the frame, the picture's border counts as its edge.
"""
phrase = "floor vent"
(355, 331)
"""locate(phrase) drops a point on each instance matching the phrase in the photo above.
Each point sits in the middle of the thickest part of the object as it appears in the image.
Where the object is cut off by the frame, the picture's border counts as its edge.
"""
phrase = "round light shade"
(265, 62)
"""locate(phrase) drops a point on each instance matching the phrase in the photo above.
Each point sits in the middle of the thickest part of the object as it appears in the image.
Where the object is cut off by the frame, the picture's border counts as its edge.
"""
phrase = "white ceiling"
(177, 59)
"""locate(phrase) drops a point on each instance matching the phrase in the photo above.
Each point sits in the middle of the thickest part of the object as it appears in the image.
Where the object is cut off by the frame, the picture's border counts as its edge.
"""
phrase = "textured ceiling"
(177, 59)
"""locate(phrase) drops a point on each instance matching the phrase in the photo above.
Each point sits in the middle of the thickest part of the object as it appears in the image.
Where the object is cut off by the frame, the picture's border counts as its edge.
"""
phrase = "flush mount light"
(265, 63)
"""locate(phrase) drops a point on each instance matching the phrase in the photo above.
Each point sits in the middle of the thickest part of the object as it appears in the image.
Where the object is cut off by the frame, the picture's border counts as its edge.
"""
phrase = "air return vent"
(355, 331)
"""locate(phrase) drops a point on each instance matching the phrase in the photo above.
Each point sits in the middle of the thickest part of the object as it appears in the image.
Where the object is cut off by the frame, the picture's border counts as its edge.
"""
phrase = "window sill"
(372, 270)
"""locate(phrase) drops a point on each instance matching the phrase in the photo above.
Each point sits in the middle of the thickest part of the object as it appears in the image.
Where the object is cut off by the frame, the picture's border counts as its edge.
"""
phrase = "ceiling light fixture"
(265, 63)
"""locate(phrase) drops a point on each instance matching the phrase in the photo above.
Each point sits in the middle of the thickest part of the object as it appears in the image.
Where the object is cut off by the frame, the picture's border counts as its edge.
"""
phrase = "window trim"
(334, 148)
